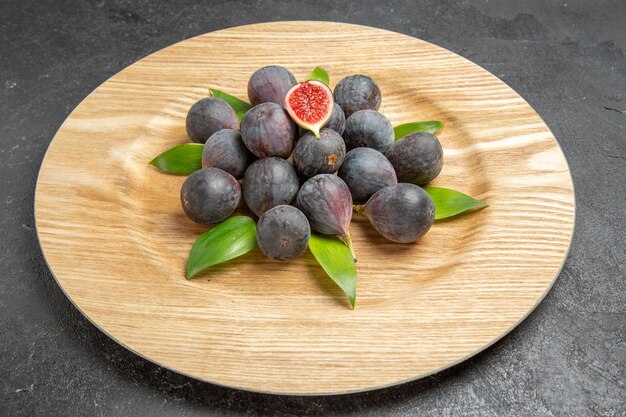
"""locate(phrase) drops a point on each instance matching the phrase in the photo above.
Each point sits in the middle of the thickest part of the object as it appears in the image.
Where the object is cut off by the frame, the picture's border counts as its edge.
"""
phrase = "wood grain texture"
(115, 237)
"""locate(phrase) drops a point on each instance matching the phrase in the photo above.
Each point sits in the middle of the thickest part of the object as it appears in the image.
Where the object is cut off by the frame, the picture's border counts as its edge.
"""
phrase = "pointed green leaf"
(431, 126)
(240, 106)
(338, 262)
(182, 159)
(227, 240)
(449, 202)
(320, 74)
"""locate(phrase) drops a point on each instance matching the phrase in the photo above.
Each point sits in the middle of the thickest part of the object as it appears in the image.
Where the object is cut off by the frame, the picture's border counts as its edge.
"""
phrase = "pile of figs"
(304, 158)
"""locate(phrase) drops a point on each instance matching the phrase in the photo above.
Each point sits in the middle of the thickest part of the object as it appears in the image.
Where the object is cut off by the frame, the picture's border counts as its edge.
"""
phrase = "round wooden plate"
(116, 239)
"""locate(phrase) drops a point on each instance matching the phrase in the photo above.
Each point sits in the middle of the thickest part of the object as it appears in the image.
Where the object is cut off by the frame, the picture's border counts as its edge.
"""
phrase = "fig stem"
(347, 239)
(358, 208)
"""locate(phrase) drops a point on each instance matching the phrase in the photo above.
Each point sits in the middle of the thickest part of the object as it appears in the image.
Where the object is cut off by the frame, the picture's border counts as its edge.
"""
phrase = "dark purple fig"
(283, 233)
(357, 92)
(210, 195)
(312, 156)
(365, 171)
(225, 150)
(401, 213)
(267, 130)
(209, 115)
(326, 201)
(337, 121)
(417, 158)
(270, 84)
(369, 129)
(269, 182)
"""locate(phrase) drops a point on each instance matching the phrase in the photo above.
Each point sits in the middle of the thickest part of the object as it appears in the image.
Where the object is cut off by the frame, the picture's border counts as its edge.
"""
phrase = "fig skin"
(210, 195)
(366, 171)
(337, 121)
(312, 156)
(270, 84)
(269, 182)
(267, 130)
(207, 116)
(225, 150)
(402, 213)
(326, 201)
(417, 158)
(369, 129)
(283, 233)
(357, 92)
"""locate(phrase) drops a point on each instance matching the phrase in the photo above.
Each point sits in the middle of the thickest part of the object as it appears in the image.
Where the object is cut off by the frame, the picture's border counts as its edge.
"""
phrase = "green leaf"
(430, 126)
(320, 74)
(182, 159)
(449, 202)
(240, 106)
(227, 240)
(338, 262)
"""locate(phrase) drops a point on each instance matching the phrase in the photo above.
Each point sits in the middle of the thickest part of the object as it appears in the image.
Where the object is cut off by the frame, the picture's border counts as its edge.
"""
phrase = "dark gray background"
(566, 58)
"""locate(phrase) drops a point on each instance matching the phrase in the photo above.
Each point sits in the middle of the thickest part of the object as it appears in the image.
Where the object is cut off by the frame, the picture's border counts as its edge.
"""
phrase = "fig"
(370, 129)
(401, 213)
(225, 150)
(417, 158)
(210, 195)
(209, 115)
(357, 92)
(269, 182)
(312, 156)
(283, 233)
(337, 121)
(267, 130)
(270, 84)
(326, 201)
(365, 171)
(310, 105)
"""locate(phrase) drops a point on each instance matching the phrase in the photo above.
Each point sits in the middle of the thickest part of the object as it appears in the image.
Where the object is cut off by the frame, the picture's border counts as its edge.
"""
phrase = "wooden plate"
(116, 239)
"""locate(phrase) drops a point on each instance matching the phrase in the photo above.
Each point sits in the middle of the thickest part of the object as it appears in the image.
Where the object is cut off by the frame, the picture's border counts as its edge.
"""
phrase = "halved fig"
(310, 105)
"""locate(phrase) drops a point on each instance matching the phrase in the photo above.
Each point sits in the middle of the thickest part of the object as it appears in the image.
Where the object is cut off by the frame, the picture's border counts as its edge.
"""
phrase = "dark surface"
(566, 58)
